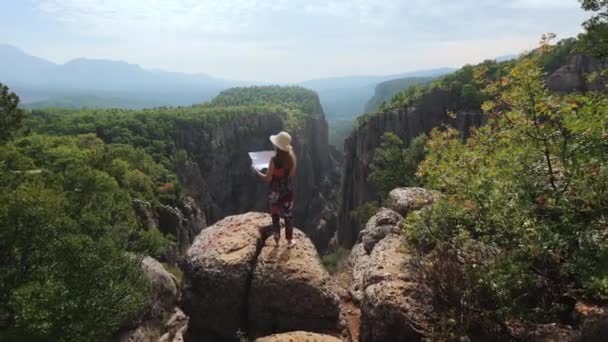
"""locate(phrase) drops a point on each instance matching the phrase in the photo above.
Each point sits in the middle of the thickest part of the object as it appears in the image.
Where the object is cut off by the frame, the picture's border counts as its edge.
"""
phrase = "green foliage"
(364, 212)
(387, 90)
(333, 261)
(526, 198)
(66, 225)
(64, 273)
(11, 116)
(595, 40)
(394, 165)
(297, 98)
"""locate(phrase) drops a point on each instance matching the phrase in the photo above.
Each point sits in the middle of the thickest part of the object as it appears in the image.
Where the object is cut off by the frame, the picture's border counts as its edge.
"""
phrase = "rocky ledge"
(239, 282)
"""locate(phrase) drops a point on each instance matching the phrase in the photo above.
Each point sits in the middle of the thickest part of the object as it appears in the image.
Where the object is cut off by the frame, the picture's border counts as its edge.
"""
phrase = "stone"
(291, 290)
(298, 336)
(406, 200)
(217, 274)
(384, 223)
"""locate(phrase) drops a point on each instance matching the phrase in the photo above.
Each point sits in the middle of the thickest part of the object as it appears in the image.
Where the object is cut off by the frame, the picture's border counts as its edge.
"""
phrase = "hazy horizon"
(280, 41)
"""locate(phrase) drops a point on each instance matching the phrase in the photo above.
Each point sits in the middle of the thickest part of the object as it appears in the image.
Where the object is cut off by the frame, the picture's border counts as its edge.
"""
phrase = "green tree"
(11, 116)
(395, 165)
(595, 39)
(525, 202)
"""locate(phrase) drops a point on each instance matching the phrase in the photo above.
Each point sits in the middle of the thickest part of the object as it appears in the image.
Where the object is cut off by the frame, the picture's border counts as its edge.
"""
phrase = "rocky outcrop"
(298, 336)
(407, 200)
(395, 306)
(163, 299)
(236, 280)
(183, 223)
(291, 290)
(218, 173)
(431, 111)
(575, 75)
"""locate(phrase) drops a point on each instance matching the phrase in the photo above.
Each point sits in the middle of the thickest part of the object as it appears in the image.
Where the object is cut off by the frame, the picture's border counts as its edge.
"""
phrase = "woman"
(281, 170)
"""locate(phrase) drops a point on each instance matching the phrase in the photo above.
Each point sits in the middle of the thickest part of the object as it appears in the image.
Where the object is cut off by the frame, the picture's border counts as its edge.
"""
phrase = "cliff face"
(431, 111)
(574, 75)
(220, 178)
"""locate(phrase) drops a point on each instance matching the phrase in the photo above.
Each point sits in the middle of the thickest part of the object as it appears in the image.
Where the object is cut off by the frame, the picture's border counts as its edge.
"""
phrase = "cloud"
(289, 39)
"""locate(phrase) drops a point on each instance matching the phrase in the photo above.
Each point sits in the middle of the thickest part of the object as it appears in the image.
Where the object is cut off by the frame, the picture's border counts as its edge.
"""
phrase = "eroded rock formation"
(220, 179)
(235, 280)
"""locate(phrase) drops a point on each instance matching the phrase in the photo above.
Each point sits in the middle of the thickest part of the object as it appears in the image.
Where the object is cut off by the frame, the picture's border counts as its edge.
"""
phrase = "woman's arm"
(268, 176)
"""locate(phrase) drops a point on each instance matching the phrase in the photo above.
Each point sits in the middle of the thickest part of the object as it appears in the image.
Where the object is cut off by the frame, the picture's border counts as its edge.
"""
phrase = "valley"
(442, 204)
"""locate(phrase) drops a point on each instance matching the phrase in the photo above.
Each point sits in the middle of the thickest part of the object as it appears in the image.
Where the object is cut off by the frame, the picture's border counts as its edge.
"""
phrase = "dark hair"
(284, 159)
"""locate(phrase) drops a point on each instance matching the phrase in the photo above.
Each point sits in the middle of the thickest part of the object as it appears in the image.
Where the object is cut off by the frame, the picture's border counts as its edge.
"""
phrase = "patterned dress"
(281, 199)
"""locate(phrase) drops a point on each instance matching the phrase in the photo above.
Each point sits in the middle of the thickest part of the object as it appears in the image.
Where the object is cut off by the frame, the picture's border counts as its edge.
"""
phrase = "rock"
(406, 200)
(388, 261)
(393, 302)
(163, 299)
(394, 305)
(392, 311)
(184, 224)
(217, 274)
(298, 336)
(292, 291)
(359, 261)
(145, 214)
(235, 281)
(175, 327)
(384, 223)
(574, 76)
(550, 333)
(165, 293)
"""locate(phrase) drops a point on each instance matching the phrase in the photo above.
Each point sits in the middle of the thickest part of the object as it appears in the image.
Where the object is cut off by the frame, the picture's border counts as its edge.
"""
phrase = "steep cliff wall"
(220, 179)
(429, 112)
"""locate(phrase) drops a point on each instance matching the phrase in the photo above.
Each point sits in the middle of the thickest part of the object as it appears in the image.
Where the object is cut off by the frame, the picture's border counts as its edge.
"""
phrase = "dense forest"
(68, 180)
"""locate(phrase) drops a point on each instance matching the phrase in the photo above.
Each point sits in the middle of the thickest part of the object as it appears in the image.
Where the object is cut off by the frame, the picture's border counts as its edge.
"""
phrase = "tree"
(595, 39)
(395, 165)
(11, 116)
(525, 201)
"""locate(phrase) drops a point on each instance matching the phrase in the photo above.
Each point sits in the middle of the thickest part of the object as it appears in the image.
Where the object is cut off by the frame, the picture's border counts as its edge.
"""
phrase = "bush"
(528, 192)
(364, 212)
(394, 165)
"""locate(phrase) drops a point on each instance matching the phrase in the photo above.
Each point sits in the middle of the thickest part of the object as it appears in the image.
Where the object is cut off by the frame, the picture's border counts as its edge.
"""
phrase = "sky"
(285, 41)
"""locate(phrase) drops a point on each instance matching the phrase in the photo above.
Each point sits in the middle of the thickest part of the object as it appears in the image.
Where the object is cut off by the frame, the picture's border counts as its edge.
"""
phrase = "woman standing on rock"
(281, 170)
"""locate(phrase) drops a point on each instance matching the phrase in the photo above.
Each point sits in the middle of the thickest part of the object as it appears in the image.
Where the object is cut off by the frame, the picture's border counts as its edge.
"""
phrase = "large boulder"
(238, 280)
(291, 290)
(394, 305)
(164, 296)
(217, 274)
(407, 200)
(298, 336)
(384, 223)
(165, 292)
(359, 261)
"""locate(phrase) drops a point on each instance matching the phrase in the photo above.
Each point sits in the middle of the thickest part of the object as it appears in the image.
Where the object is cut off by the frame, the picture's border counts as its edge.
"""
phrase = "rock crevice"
(238, 282)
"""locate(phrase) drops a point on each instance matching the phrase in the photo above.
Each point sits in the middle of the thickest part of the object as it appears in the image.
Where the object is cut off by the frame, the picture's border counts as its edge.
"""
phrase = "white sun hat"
(282, 141)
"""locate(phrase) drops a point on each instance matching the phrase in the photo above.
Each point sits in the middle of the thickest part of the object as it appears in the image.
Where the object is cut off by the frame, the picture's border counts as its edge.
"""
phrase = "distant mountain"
(366, 81)
(386, 90)
(506, 58)
(344, 98)
(91, 101)
(36, 79)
